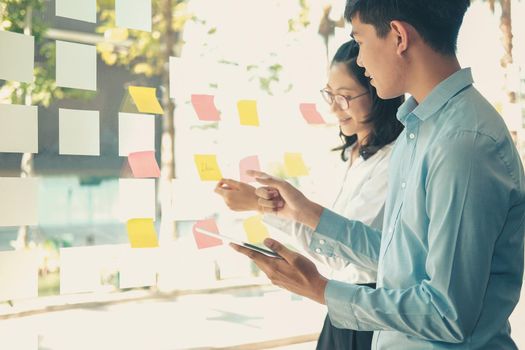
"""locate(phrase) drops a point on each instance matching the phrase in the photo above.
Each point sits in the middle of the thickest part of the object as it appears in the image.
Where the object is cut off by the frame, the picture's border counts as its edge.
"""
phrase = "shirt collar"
(437, 98)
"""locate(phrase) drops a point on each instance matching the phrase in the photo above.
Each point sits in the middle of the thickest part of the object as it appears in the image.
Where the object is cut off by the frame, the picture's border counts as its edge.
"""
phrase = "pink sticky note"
(310, 113)
(249, 163)
(205, 107)
(204, 241)
(143, 164)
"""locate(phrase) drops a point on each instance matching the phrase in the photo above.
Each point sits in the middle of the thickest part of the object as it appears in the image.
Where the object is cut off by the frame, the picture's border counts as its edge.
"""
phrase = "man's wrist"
(320, 290)
(310, 214)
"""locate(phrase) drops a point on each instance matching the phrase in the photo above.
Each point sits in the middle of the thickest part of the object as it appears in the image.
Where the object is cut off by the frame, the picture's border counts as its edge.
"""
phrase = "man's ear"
(401, 33)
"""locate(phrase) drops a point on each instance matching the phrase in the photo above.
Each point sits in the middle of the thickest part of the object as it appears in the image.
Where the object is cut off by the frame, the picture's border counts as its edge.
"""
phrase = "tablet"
(261, 250)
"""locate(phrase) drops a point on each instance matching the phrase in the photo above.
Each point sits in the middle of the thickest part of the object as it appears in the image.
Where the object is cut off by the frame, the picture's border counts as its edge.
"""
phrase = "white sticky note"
(138, 268)
(133, 14)
(18, 56)
(81, 267)
(19, 275)
(76, 65)
(18, 128)
(136, 199)
(136, 133)
(82, 10)
(194, 200)
(79, 132)
(19, 201)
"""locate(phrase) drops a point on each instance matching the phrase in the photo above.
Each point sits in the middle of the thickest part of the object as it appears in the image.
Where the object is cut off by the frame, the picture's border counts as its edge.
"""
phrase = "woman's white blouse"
(361, 197)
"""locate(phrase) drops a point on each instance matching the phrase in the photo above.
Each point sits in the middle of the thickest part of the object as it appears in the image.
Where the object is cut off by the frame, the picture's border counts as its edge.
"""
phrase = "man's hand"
(293, 272)
(280, 198)
(238, 196)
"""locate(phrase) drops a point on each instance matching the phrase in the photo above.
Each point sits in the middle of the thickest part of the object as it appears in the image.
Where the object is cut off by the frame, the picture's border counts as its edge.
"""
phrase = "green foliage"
(140, 52)
(302, 20)
(25, 16)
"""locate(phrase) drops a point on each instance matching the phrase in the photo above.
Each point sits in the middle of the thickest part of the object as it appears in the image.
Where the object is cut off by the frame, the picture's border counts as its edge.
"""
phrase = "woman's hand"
(238, 196)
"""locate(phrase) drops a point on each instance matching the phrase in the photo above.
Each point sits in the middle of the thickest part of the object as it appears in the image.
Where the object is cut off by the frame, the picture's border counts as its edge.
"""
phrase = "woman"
(368, 128)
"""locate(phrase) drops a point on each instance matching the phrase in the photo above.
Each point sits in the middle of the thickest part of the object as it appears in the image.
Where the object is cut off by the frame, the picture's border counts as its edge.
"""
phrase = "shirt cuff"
(330, 224)
(324, 238)
(339, 298)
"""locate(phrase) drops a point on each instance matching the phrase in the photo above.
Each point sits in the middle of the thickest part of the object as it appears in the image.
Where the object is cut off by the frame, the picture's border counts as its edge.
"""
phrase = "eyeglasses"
(342, 101)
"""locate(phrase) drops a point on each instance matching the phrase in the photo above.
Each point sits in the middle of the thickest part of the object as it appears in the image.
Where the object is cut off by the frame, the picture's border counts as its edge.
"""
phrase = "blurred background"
(84, 287)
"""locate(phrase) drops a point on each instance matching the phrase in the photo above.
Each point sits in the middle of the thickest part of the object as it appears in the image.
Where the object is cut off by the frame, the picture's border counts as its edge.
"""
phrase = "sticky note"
(136, 198)
(136, 133)
(255, 229)
(76, 65)
(248, 112)
(79, 132)
(249, 163)
(81, 10)
(207, 167)
(18, 128)
(143, 164)
(142, 233)
(193, 200)
(294, 165)
(19, 201)
(19, 275)
(145, 98)
(133, 14)
(310, 113)
(128, 105)
(81, 267)
(205, 241)
(204, 106)
(18, 56)
(138, 268)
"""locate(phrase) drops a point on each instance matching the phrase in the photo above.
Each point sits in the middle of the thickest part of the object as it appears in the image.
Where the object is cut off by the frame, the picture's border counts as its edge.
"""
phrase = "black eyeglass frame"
(339, 99)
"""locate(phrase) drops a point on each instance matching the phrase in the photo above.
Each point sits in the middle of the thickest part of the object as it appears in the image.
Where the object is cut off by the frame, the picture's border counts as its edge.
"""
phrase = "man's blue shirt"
(450, 255)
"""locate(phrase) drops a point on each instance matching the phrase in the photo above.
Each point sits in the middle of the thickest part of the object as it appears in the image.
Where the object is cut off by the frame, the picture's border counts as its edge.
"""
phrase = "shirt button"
(412, 136)
(322, 241)
(390, 230)
(318, 250)
(403, 184)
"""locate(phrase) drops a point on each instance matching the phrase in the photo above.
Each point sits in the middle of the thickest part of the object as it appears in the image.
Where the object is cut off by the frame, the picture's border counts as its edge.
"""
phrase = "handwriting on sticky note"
(204, 106)
(142, 233)
(249, 163)
(255, 229)
(248, 112)
(207, 167)
(143, 164)
(310, 113)
(204, 241)
(294, 165)
(145, 98)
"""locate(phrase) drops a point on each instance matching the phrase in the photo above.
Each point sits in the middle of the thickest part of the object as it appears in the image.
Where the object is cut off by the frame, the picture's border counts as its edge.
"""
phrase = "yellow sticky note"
(207, 167)
(255, 229)
(294, 165)
(248, 112)
(145, 99)
(142, 233)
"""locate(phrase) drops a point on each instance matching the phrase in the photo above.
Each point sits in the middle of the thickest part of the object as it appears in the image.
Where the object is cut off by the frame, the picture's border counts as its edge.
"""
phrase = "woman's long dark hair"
(385, 125)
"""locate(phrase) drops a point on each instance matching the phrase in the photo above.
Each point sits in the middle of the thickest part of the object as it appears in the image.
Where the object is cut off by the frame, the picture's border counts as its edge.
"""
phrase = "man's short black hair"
(437, 21)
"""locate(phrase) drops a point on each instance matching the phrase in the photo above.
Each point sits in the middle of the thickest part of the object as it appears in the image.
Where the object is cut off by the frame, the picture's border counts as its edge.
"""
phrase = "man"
(450, 255)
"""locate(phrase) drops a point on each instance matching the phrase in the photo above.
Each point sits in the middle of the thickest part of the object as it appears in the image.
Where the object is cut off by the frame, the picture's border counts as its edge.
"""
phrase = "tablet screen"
(256, 248)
